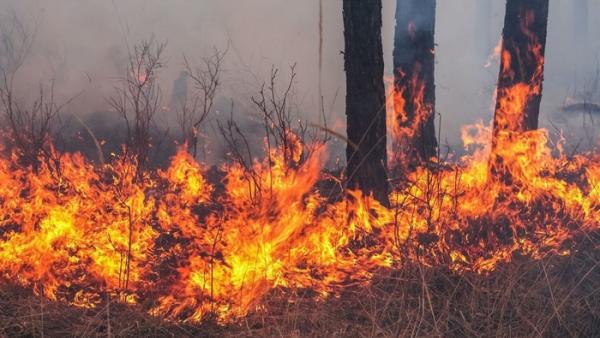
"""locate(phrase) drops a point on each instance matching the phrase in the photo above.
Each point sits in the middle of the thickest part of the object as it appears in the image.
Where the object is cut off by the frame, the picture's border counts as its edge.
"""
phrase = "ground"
(558, 296)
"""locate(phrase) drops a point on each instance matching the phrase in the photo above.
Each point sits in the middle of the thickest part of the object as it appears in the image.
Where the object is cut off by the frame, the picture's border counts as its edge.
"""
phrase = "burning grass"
(181, 247)
(554, 296)
(501, 242)
(455, 252)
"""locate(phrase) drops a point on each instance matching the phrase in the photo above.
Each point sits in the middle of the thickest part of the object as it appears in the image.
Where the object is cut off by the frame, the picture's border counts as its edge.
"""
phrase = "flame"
(69, 221)
(78, 233)
(402, 128)
(513, 100)
(194, 243)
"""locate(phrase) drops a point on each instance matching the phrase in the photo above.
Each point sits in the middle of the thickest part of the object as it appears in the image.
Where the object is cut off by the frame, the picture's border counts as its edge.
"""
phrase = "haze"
(82, 45)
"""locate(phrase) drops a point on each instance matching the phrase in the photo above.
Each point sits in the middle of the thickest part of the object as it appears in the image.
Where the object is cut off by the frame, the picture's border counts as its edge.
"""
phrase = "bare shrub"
(15, 42)
(283, 128)
(240, 151)
(137, 99)
(194, 111)
(29, 126)
(281, 124)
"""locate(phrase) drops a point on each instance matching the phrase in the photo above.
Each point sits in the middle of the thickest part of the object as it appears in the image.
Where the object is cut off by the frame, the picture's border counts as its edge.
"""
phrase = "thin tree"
(522, 66)
(194, 111)
(414, 80)
(365, 98)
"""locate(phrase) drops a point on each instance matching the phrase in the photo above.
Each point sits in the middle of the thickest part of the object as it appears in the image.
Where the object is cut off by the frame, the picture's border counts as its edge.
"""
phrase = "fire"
(402, 128)
(193, 246)
(68, 221)
(79, 233)
(513, 101)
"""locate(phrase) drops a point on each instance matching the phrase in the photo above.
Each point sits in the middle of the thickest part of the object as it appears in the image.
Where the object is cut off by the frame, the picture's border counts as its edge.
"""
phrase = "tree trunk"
(365, 98)
(414, 64)
(519, 92)
(522, 66)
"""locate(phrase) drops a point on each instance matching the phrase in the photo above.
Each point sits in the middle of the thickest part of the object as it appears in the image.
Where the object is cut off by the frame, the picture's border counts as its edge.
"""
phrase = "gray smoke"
(82, 45)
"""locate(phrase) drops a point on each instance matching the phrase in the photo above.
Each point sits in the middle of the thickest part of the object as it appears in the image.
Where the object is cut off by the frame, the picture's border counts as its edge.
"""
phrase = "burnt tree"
(519, 92)
(414, 80)
(522, 66)
(365, 98)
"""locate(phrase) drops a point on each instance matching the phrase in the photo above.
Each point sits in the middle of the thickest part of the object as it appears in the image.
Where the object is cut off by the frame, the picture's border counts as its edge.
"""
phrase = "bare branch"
(137, 99)
(194, 111)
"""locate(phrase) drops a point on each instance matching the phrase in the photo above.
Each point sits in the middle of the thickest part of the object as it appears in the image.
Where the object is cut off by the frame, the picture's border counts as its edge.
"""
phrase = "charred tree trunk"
(414, 65)
(519, 92)
(522, 66)
(365, 98)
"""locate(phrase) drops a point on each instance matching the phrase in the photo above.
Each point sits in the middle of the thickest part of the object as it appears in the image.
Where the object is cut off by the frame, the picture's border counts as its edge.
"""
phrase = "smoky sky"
(82, 45)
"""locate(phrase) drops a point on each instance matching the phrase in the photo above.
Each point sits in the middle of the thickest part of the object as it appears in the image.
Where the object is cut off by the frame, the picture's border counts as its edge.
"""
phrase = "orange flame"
(401, 128)
(195, 246)
(77, 233)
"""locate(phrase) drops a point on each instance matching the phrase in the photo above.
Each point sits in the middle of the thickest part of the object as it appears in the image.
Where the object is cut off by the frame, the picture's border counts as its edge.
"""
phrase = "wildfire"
(513, 101)
(78, 233)
(193, 246)
(402, 128)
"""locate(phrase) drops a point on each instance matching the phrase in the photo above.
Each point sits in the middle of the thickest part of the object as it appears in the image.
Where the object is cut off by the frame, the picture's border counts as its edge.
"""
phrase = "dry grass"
(555, 297)
(24, 315)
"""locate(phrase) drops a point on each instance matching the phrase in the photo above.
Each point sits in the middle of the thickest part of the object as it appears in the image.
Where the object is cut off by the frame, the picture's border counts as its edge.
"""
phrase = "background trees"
(414, 79)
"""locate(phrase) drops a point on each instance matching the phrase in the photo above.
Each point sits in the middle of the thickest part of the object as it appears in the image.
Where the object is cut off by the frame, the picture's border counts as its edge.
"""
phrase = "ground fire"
(186, 244)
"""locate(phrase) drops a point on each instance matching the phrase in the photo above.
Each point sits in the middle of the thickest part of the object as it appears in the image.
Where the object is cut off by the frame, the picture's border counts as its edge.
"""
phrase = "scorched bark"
(414, 66)
(523, 49)
(365, 98)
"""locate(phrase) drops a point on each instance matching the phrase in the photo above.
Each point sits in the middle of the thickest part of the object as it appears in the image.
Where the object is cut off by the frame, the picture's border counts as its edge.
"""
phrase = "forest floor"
(558, 296)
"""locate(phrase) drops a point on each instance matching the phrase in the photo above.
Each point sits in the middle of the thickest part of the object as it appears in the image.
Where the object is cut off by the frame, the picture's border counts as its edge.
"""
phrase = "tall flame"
(78, 233)
(194, 246)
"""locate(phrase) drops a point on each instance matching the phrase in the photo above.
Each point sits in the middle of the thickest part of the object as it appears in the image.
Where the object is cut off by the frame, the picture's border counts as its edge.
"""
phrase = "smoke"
(83, 47)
